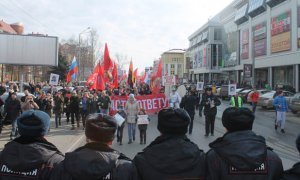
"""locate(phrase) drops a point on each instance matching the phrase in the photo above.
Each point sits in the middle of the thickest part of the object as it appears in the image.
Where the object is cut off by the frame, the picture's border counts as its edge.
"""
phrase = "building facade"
(173, 63)
(259, 34)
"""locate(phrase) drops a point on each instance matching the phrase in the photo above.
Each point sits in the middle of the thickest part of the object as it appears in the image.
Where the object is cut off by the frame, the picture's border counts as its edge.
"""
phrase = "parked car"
(261, 92)
(266, 100)
(294, 103)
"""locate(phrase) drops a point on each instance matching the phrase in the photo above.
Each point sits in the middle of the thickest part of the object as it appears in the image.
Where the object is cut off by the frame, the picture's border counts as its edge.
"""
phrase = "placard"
(119, 119)
(200, 86)
(142, 119)
(247, 70)
(232, 89)
(54, 78)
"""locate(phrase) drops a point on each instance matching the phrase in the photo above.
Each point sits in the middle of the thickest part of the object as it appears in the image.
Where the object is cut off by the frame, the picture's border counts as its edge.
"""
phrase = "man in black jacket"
(189, 103)
(294, 172)
(74, 109)
(30, 156)
(171, 155)
(209, 102)
(96, 160)
(240, 153)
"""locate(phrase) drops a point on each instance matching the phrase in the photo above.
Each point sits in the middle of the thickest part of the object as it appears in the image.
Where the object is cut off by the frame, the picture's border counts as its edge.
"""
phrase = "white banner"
(142, 119)
(54, 78)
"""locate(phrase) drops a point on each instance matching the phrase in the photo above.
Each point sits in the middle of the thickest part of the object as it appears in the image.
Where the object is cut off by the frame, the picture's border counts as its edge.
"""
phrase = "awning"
(241, 15)
(256, 7)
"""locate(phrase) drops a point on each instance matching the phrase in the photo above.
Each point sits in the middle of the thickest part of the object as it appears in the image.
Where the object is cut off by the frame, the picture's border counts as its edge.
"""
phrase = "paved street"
(283, 144)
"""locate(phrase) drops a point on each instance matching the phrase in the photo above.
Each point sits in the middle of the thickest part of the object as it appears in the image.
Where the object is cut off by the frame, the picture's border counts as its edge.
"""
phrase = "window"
(172, 73)
(172, 66)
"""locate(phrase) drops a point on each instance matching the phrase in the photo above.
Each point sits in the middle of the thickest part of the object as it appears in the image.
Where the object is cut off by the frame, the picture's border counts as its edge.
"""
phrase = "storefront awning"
(273, 3)
(256, 7)
(241, 15)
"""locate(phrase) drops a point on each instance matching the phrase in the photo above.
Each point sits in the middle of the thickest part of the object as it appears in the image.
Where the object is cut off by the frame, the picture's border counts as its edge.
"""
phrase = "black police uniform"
(170, 157)
(94, 161)
(242, 155)
(28, 158)
(189, 103)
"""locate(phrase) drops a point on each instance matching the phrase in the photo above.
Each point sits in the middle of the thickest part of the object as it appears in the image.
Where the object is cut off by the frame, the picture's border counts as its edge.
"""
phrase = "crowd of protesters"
(239, 154)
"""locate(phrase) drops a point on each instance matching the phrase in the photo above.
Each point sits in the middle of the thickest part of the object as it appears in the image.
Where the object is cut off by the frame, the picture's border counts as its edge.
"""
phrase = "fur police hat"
(208, 89)
(298, 142)
(100, 127)
(33, 123)
(237, 119)
(173, 121)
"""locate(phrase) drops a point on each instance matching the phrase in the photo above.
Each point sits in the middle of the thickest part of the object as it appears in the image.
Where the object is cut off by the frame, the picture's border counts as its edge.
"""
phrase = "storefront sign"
(245, 44)
(151, 103)
(281, 23)
(280, 32)
(281, 42)
(259, 39)
(247, 70)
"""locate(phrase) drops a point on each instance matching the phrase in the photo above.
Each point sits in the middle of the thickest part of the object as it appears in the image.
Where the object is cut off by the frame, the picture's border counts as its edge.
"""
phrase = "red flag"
(156, 78)
(130, 75)
(95, 80)
(135, 75)
(107, 61)
(115, 76)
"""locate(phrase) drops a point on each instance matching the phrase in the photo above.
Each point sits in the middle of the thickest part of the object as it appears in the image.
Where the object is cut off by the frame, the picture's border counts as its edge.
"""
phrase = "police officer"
(30, 156)
(240, 153)
(171, 155)
(96, 159)
(294, 172)
(210, 102)
(236, 101)
(189, 103)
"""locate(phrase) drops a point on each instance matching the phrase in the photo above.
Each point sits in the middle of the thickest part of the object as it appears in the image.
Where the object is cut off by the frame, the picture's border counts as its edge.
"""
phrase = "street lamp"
(79, 53)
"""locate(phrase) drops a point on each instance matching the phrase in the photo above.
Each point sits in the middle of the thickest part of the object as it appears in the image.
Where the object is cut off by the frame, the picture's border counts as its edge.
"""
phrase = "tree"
(62, 68)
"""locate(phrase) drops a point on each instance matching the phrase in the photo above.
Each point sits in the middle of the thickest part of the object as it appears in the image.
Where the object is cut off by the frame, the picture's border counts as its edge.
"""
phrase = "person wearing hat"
(131, 110)
(96, 159)
(240, 153)
(171, 155)
(29, 104)
(210, 102)
(120, 128)
(30, 156)
(12, 109)
(294, 172)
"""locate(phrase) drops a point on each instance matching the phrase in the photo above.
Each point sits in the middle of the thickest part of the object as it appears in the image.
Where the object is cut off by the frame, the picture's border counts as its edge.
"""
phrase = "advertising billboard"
(247, 70)
(245, 44)
(259, 39)
(28, 50)
(281, 32)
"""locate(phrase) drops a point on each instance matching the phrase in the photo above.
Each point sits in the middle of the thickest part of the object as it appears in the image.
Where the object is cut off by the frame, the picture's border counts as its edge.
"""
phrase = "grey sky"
(141, 29)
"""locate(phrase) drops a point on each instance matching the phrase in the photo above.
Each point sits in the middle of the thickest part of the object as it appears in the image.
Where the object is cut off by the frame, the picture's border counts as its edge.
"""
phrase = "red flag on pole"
(115, 76)
(107, 61)
(130, 75)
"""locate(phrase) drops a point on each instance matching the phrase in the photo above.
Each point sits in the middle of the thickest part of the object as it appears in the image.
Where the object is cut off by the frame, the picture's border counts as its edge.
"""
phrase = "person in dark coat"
(189, 103)
(74, 109)
(240, 153)
(12, 110)
(67, 108)
(30, 156)
(294, 172)
(120, 129)
(210, 102)
(171, 155)
(58, 108)
(96, 160)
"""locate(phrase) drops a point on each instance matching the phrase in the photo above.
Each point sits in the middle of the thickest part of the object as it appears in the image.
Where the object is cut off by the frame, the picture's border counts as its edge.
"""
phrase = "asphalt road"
(283, 144)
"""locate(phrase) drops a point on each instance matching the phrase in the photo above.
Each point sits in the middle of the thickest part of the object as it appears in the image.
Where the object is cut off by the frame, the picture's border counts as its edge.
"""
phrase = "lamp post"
(79, 53)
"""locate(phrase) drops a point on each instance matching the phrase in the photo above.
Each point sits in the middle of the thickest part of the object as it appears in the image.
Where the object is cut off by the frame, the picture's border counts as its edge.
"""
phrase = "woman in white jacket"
(131, 109)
